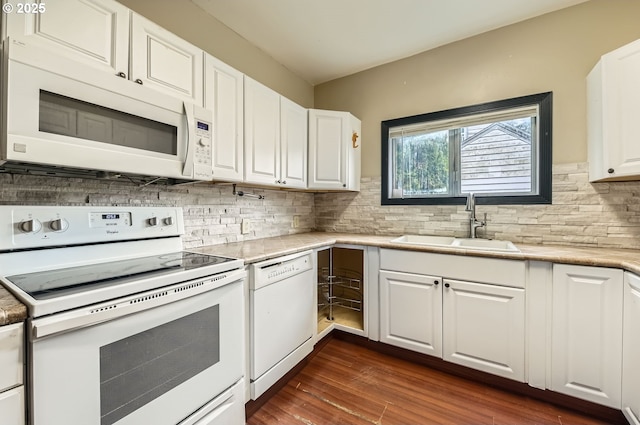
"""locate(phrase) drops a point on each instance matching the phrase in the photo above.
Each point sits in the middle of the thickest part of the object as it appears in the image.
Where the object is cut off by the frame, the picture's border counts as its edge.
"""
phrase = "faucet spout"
(474, 223)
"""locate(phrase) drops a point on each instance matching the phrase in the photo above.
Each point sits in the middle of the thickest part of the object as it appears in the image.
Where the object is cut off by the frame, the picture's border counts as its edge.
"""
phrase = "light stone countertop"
(263, 249)
(13, 311)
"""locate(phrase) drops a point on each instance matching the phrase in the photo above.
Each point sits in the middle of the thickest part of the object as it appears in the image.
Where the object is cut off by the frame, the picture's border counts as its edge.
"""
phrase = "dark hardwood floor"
(346, 383)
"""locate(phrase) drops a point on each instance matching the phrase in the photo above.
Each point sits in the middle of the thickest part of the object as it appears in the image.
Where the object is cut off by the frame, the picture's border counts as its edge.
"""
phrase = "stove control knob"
(153, 221)
(168, 221)
(30, 226)
(59, 225)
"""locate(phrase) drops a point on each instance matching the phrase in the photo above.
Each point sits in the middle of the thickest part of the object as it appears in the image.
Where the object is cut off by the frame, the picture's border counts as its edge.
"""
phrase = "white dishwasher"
(281, 317)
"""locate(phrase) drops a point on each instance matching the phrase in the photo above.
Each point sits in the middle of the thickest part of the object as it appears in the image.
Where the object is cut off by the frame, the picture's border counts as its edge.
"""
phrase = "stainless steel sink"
(465, 243)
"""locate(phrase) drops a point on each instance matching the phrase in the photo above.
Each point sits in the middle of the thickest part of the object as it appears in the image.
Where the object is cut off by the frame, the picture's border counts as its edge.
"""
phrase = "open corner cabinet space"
(341, 290)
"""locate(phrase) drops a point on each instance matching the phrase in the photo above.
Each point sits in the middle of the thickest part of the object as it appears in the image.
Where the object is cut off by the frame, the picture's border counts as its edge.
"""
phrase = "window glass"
(501, 151)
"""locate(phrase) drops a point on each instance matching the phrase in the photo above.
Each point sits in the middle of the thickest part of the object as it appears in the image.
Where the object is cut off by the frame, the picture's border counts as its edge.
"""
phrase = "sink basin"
(486, 245)
(475, 244)
(425, 240)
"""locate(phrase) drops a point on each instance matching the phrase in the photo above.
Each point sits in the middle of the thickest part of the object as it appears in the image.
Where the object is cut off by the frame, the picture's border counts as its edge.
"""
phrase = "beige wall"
(184, 18)
(554, 52)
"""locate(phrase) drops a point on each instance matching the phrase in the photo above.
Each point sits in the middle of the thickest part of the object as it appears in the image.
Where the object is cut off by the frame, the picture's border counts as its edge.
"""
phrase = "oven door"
(154, 358)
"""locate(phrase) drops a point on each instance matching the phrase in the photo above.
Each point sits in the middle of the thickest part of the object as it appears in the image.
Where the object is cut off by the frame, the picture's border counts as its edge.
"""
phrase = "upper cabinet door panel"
(293, 164)
(95, 32)
(223, 94)
(261, 133)
(165, 62)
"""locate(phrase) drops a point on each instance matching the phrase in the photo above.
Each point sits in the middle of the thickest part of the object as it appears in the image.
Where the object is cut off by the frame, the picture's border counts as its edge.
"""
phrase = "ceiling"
(326, 39)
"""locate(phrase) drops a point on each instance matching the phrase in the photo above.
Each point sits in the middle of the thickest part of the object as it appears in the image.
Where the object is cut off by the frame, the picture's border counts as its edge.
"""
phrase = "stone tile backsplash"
(584, 214)
(212, 214)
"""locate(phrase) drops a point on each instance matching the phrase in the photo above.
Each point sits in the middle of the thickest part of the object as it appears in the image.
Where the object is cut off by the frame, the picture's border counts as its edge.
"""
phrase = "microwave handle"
(187, 169)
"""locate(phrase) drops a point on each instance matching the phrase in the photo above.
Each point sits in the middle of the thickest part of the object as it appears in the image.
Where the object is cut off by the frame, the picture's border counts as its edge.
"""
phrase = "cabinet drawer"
(11, 356)
(12, 406)
(475, 269)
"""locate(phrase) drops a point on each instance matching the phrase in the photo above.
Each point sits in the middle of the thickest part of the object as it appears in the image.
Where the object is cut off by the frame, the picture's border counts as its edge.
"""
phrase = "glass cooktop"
(54, 283)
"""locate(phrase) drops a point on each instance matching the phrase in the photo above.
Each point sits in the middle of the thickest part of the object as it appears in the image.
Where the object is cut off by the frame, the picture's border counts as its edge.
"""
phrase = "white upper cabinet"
(261, 133)
(165, 62)
(586, 341)
(613, 108)
(275, 138)
(108, 36)
(293, 144)
(334, 150)
(223, 94)
(95, 32)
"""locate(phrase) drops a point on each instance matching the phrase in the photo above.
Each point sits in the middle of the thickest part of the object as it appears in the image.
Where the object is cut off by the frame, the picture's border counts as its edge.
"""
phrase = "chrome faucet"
(474, 223)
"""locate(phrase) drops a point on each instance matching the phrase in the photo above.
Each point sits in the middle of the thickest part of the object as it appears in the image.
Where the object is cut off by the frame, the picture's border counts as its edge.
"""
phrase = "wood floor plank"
(352, 385)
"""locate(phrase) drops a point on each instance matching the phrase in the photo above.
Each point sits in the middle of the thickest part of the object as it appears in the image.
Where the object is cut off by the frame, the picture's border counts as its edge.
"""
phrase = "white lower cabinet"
(12, 404)
(631, 349)
(478, 325)
(411, 311)
(586, 340)
(483, 327)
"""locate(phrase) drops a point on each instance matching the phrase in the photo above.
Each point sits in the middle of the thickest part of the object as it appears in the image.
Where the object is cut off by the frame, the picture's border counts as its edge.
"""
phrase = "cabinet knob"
(278, 181)
(121, 74)
(284, 182)
(139, 81)
(611, 171)
(446, 285)
(344, 185)
(436, 282)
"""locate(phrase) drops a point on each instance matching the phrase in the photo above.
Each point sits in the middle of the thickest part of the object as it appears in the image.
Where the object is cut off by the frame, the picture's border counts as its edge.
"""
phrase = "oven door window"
(138, 369)
(75, 118)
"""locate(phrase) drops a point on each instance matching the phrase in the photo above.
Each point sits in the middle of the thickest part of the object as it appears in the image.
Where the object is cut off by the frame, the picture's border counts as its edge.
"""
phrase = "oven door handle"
(98, 313)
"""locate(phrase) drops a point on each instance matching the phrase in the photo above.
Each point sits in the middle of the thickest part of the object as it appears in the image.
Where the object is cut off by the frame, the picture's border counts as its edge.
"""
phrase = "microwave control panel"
(202, 157)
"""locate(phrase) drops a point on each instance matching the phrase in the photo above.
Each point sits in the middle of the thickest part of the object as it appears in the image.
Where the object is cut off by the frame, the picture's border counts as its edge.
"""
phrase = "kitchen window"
(501, 151)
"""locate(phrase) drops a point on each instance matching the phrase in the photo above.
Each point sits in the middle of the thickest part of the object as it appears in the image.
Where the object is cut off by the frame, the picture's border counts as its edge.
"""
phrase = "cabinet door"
(223, 94)
(614, 107)
(12, 406)
(483, 327)
(586, 348)
(411, 311)
(293, 144)
(328, 136)
(631, 349)
(11, 356)
(162, 60)
(95, 32)
(262, 133)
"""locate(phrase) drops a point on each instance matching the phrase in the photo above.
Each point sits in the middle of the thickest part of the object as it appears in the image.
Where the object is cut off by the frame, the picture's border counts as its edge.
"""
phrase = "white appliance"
(61, 116)
(124, 327)
(282, 317)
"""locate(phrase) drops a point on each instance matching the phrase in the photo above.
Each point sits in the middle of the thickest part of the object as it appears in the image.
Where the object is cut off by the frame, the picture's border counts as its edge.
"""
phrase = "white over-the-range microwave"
(59, 116)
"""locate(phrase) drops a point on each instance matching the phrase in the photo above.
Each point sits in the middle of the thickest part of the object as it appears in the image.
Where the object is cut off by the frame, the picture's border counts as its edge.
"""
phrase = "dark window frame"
(545, 123)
